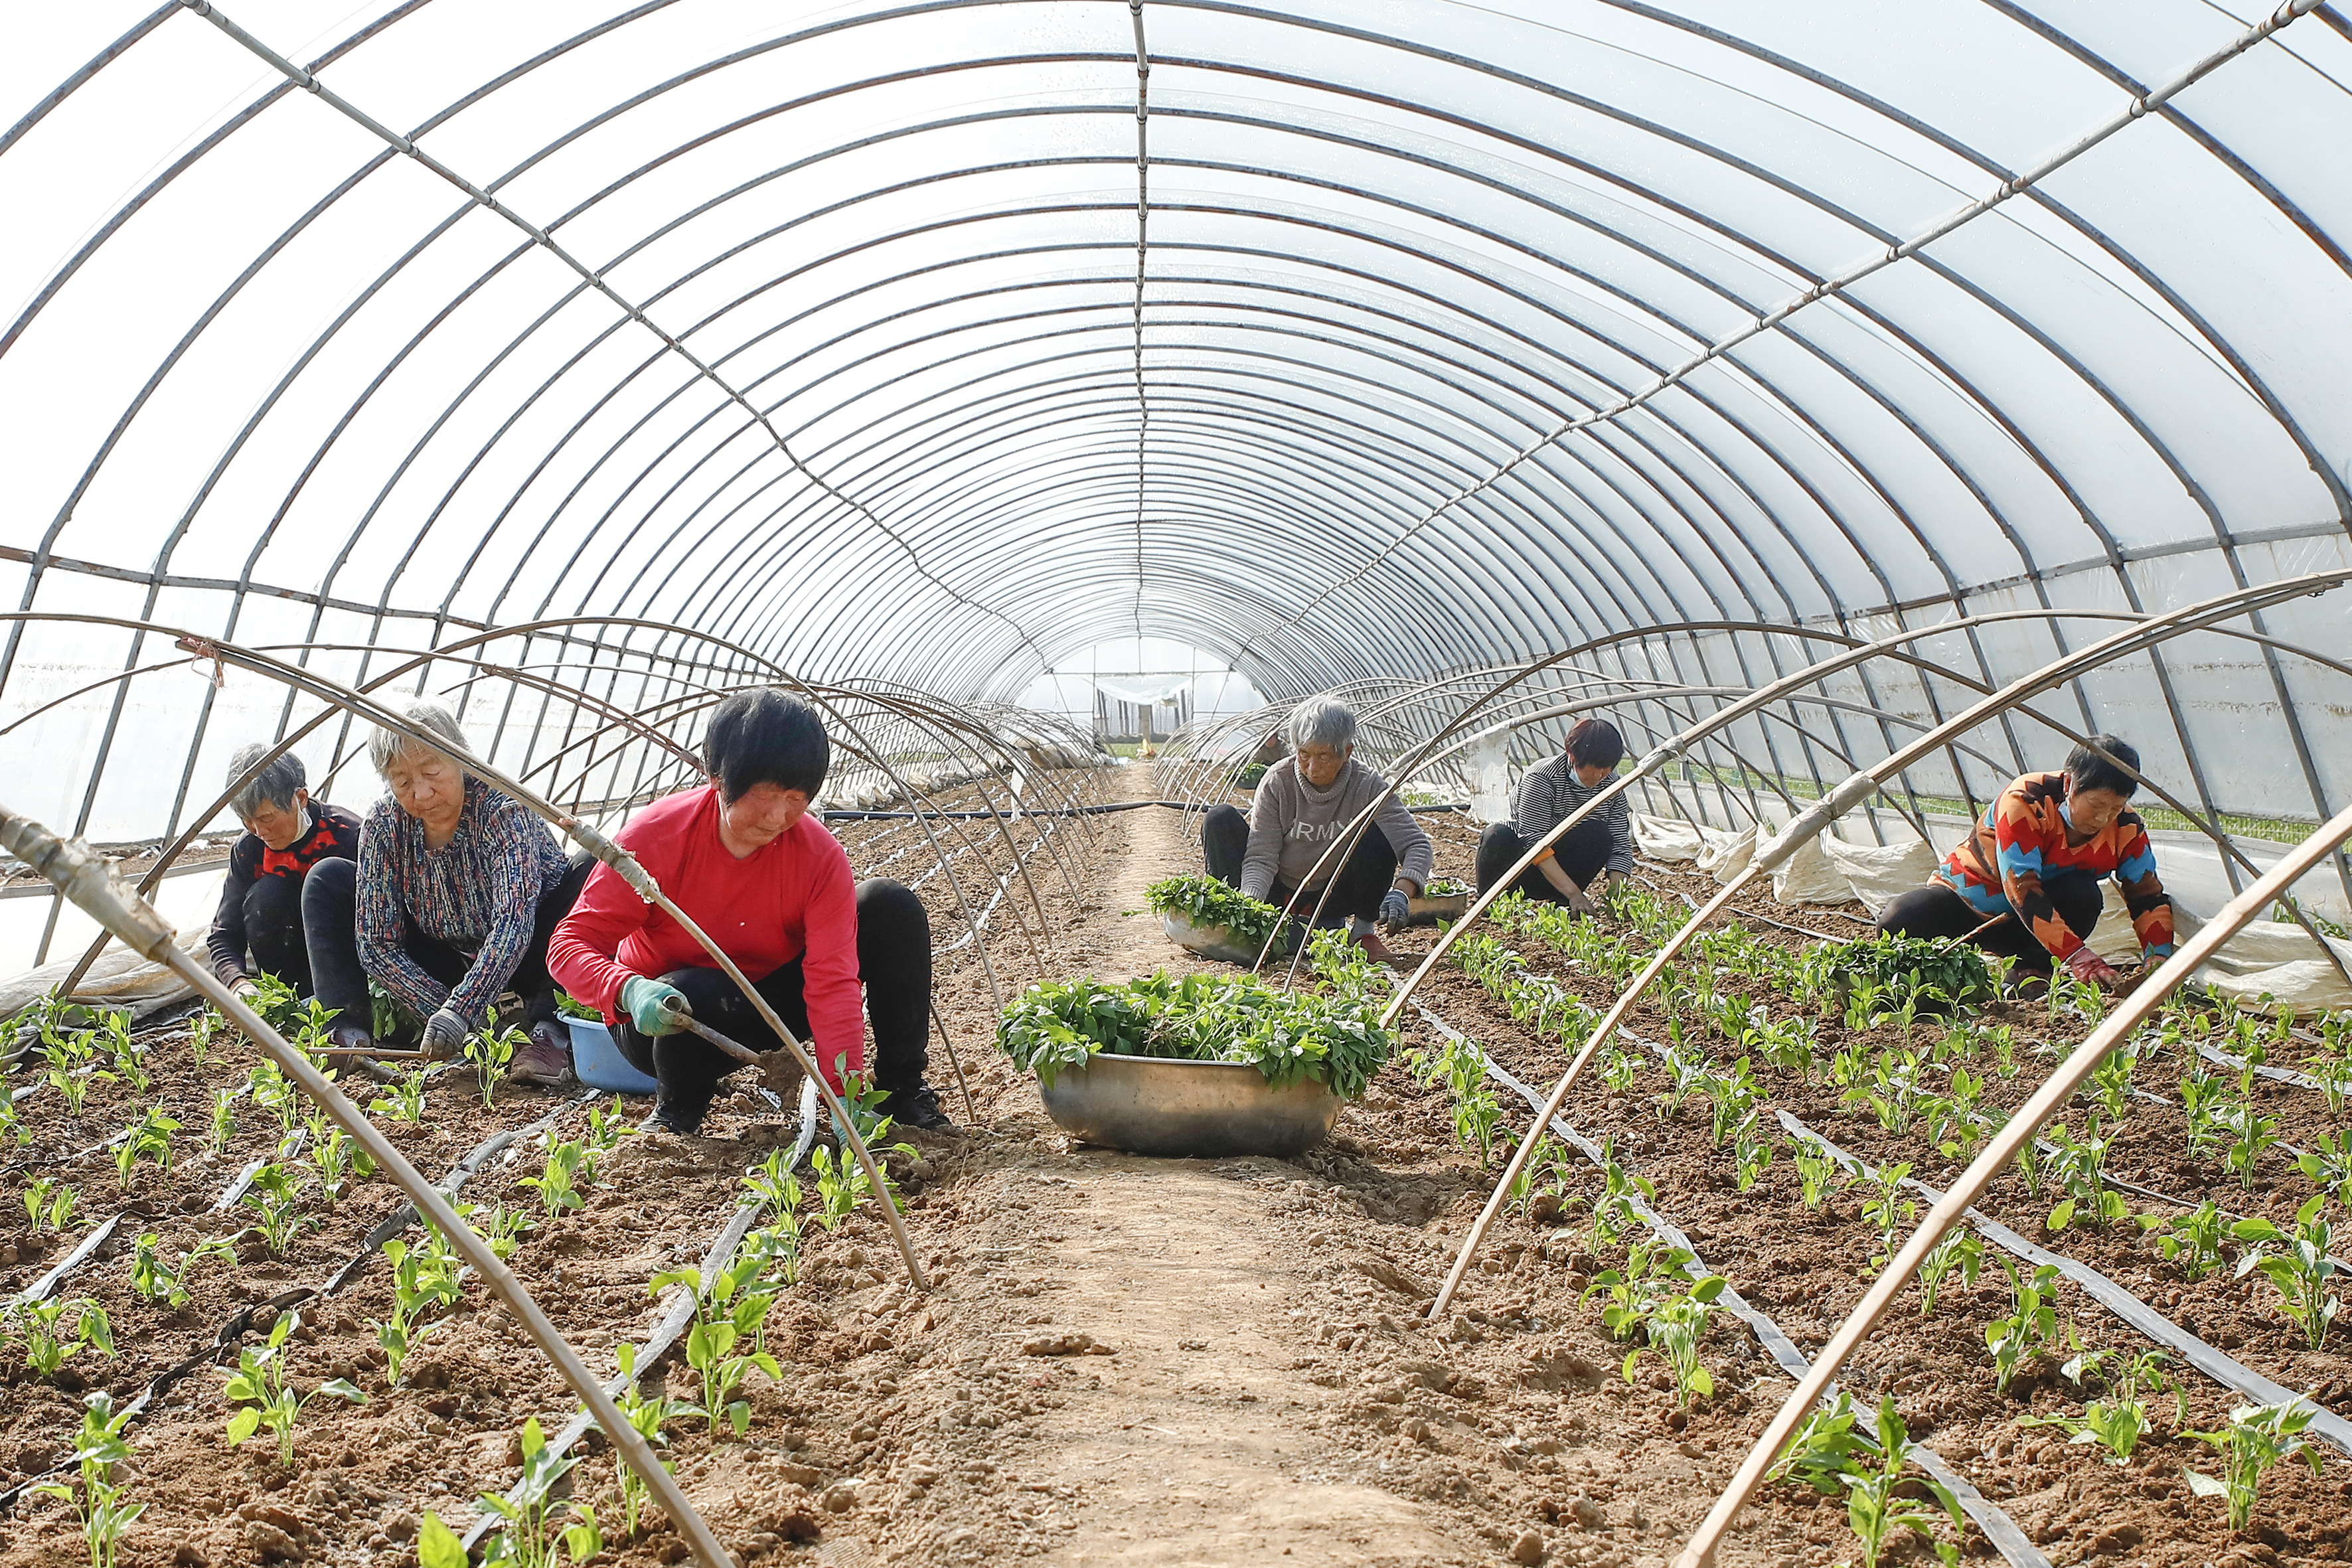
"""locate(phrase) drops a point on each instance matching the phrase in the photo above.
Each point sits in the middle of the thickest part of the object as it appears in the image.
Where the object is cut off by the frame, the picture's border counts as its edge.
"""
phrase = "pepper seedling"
(1833, 1451)
(2257, 1436)
(97, 1502)
(263, 1397)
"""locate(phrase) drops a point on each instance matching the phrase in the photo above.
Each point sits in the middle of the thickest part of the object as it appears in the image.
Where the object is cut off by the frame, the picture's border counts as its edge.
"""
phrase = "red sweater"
(794, 897)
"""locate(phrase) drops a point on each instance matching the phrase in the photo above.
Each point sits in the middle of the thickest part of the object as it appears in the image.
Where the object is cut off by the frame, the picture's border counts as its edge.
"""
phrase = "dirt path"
(1201, 1439)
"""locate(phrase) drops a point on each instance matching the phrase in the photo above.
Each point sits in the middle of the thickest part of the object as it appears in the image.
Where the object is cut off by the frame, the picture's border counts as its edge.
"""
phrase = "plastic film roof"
(938, 342)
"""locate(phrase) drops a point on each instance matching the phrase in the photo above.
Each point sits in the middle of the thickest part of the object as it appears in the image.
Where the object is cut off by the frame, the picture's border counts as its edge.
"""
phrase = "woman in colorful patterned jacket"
(2025, 883)
(457, 891)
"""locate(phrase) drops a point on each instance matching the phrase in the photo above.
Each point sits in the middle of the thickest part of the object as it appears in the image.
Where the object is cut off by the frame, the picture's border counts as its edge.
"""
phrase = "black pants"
(1582, 853)
(894, 961)
(330, 932)
(1936, 912)
(273, 931)
(1362, 880)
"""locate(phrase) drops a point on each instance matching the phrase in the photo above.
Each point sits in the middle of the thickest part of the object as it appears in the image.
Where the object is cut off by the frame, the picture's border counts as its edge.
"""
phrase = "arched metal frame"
(1400, 351)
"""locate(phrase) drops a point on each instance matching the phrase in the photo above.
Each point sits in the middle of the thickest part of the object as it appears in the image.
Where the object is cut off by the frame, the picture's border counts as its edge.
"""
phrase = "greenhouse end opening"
(1148, 781)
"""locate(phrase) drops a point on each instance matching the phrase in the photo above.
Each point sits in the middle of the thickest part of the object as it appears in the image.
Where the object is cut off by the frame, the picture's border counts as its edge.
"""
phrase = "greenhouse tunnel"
(1859, 406)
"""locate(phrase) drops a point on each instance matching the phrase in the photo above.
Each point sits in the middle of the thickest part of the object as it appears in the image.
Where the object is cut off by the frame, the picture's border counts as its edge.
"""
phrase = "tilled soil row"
(1809, 1265)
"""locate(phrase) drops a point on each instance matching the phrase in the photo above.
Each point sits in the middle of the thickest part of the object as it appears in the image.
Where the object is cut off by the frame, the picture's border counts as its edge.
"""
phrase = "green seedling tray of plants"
(1205, 1064)
(1202, 915)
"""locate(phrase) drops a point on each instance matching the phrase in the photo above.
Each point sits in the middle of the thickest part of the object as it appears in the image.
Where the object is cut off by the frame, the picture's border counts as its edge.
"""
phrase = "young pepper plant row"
(1636, 1296)
(1868, 982)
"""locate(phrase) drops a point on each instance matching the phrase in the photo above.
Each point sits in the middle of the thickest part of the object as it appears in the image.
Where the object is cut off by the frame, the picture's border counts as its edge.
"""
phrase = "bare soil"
(1121, 1360)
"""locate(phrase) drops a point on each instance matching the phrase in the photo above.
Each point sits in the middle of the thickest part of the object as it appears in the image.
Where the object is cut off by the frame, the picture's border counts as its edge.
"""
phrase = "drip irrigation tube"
(1059, 811)
(1997, 1526)
(2240, 1379)
(464, 1171)
(38, 1291)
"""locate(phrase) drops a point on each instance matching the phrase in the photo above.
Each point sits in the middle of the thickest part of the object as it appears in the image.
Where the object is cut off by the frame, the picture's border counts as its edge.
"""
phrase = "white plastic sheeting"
(890, 341)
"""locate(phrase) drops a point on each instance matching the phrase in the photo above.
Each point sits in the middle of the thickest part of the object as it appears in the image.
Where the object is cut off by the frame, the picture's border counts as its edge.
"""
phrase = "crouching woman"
(1304, 805)
(2025, 883)
(457, 889)
(772, 888)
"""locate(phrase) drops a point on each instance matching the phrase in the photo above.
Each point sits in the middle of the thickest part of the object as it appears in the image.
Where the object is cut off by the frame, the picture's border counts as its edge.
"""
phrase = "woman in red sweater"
(767, 882)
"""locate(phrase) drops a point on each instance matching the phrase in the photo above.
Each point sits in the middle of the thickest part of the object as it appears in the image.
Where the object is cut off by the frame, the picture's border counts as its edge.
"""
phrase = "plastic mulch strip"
(38, 1291)
(2240, 1379)
(1997, 1526)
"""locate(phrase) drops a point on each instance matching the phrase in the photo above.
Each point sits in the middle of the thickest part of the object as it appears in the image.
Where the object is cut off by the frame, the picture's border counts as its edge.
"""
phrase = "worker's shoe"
(543, 1059)
(678, 1111)
(1374, 948)
(916, 1107)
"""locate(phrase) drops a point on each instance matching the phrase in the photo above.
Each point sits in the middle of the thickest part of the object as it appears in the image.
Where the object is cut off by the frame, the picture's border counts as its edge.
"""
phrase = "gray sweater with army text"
(1291, 823)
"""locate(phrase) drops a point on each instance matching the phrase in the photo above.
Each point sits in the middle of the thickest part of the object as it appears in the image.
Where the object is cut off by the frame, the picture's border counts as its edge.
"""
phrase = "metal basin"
(1204, 1110)
(1210, 941)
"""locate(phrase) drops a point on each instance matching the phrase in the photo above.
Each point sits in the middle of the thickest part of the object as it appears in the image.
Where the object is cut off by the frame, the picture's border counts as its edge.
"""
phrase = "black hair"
(1595, 744)
(275, 783)
(2088, 770)
(765, 735)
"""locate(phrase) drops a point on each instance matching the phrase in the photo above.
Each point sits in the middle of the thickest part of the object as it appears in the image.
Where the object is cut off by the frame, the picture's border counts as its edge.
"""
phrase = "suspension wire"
(539, 236)
(1835, 284)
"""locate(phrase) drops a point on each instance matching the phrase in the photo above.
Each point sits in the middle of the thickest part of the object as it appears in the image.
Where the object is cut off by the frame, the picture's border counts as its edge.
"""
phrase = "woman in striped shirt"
(1589, 854)
(457, 889)
(2025, 884)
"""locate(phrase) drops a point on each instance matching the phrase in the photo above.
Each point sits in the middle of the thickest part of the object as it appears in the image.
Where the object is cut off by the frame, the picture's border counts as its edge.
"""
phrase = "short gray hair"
(1322, 721)
(275, 783)
(428, 713)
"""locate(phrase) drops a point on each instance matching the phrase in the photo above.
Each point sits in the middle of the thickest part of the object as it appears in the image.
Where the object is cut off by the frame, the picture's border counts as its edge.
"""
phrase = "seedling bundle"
(1209, 904)
(1330, 1034)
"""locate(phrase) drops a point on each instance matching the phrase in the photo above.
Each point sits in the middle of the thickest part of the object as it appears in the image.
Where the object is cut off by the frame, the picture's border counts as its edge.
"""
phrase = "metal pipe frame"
(1816, 818)
(1367, 309)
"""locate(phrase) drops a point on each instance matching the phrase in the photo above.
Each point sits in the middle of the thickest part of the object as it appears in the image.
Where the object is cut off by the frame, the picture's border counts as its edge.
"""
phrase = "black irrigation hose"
(1056, 811)
(38, 1291)
(1997, 1526)
(2240, 1379)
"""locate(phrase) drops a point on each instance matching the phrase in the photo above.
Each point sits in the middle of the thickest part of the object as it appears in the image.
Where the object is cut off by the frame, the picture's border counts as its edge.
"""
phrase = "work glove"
(650, 1004)
(444, 1035)
(1395, 910)
(2090, 968)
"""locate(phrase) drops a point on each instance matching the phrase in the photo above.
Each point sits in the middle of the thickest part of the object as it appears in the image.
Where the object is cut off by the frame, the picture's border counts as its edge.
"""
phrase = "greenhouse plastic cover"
(935, 343)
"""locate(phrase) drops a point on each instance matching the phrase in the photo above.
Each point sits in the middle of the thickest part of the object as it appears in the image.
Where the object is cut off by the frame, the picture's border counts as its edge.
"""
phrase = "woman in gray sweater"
(1303, 806)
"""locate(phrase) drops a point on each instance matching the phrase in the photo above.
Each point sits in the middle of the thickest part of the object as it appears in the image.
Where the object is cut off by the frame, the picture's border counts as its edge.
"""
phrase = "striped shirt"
(1549, 794)
(479, 893)
(2025, 839)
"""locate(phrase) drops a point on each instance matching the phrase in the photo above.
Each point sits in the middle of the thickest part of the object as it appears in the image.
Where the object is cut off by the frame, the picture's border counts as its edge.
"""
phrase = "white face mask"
(2066, 810)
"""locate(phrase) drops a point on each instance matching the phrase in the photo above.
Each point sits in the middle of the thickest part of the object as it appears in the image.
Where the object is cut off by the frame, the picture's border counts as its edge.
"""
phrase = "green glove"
(652, 1006)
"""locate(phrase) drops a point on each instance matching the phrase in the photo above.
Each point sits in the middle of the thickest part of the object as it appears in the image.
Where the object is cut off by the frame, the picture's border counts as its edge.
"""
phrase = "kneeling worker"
(742, 858)
(2034, 865)
(258, 927)
(1590, 855)
(1304, 805)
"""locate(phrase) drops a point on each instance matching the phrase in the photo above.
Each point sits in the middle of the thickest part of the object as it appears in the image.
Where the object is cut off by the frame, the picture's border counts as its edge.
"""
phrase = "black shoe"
(678, 1111)
(916, 1107)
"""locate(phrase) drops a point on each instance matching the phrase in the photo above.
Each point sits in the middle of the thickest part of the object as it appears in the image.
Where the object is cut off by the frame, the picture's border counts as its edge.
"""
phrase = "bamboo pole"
(84, 877)
(2054, 1092)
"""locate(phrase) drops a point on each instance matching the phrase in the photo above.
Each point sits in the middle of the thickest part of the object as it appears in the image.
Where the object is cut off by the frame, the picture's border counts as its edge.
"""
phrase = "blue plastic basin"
(598, 1062)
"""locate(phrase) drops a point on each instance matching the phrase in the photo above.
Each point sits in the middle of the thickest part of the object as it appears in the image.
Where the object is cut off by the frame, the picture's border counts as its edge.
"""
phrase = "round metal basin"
(1203, 1110)
(1210, 941)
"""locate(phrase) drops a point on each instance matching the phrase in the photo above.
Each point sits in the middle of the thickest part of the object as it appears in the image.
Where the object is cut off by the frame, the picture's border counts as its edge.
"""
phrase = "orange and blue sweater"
(2024, 841)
